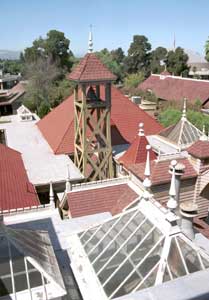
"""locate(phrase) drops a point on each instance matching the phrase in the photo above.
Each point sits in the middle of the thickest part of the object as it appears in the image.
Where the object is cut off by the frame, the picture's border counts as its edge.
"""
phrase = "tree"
(176, 62)
(158, 58)
(138, 59)
(54, 47)
(171, 116)
(207, 50)
(108, 60)
(11, 66)
(132, 81)
(41, 76)
(118, 55)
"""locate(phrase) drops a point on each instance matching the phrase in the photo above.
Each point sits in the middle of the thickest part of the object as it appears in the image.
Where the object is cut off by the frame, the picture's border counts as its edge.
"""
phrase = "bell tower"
(92, 108)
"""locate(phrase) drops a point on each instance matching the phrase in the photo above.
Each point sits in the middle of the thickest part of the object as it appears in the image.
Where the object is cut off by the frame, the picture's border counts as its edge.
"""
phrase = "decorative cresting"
(92, 143)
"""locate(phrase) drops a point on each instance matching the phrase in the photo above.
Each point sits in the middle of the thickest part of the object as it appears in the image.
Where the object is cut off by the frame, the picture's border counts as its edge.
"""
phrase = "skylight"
(28, 267)
(137, 249)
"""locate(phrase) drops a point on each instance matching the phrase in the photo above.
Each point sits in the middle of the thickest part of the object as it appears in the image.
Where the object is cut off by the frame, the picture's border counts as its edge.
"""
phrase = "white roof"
(41, 164)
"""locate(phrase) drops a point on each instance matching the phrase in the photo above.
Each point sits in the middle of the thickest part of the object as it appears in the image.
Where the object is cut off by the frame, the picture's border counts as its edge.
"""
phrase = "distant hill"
(9, 54)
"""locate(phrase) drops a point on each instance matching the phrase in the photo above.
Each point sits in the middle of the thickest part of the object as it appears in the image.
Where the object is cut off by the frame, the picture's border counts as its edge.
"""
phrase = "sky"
(114, 22)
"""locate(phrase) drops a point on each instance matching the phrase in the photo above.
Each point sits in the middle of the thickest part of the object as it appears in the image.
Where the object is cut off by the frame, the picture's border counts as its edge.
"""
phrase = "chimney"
(179, 171)
(188, 211)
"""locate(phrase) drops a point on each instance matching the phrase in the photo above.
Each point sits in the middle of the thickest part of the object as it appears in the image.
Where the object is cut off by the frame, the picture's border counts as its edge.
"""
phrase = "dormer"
(24, 114)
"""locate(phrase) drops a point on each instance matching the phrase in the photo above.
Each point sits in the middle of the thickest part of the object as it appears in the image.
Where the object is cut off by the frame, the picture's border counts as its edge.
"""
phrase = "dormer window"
(24, 114)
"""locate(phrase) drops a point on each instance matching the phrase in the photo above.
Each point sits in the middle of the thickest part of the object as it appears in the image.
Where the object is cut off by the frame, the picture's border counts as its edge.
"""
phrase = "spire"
(147, 182)
(90, 43)
(51, 194)
(141, 129)
(184, 110)
(172, 203)
(203, 136)
(68, 186)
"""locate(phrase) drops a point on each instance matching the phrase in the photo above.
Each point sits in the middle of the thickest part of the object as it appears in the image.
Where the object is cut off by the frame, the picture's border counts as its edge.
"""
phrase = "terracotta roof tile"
(105, 199)
(91, 68)
(58, 126)
(176, 88)
(199, 149)
(15, 189)
(160, 171)
(137, 152)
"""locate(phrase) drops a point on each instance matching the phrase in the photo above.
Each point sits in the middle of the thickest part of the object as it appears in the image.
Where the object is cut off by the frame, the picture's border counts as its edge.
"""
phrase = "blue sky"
(114, 22)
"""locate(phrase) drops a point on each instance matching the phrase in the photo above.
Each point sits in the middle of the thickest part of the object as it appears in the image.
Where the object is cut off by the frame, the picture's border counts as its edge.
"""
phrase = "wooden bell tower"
(92, 108)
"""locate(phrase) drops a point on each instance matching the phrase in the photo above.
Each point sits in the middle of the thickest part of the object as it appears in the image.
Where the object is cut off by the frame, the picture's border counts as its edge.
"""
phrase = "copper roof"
(16, 191)
(199, 149)
(91, 68)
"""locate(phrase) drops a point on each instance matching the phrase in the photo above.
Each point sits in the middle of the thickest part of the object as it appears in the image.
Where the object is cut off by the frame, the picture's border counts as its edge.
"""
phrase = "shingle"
(105, 199)
(199, 149)
(15, 189)
(174, 88)
(91, 68)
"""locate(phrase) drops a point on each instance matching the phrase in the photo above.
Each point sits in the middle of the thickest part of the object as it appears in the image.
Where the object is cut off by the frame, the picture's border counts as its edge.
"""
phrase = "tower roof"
(91, 68)
(137, 152)
(183, 133)
(199, 149)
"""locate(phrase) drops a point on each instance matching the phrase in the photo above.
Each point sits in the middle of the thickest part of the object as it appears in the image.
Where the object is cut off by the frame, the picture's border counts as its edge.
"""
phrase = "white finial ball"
(148, 147)
(173, 163)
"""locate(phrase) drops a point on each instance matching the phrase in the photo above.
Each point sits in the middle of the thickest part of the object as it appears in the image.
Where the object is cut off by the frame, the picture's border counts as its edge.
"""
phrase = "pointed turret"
(147, 172)
(51, 194)
(68, 186)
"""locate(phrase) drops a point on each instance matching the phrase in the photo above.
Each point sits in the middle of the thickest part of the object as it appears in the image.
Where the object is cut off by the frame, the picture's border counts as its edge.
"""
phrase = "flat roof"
(41, 164)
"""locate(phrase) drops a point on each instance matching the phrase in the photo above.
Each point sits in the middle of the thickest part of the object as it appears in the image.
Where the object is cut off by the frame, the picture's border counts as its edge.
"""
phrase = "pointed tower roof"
(199, 149)
(183, 133)
(91, 68)
(137, 153)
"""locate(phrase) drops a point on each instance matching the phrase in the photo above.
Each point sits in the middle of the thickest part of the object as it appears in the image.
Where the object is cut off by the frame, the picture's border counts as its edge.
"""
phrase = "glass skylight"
(138, 249)
(27, 262)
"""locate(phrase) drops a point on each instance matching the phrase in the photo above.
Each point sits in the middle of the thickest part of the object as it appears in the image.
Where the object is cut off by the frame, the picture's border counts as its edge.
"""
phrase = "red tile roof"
(105, 199)
(137, 152)
(16, 191)
(199, 149)
(91, 68)
(160, 171)
(177, 88)
(58, 126)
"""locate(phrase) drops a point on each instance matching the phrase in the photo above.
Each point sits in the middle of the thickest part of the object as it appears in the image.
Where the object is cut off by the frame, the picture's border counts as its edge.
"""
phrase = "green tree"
(138, 59)
(132, 81)
(108, 60)
(158, 58)
(176, 62)
(171, 116)
(118, 55)
(207, 50)
(54, 47)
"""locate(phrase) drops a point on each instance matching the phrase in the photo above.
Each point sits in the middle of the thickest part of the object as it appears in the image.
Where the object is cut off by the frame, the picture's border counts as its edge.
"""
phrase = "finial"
(68, 186)
(172, 203)
(184, 109)
(203, 136)
(147, 182)
(141, 129)
(51, 194)
(90, 43)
